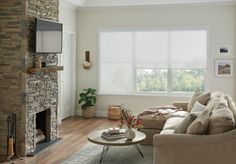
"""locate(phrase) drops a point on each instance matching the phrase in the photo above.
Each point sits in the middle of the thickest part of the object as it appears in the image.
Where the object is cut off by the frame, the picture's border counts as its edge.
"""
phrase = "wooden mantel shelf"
(32, 70)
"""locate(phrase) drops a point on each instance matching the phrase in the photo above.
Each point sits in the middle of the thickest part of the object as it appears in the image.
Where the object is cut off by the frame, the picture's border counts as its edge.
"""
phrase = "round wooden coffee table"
(95, 137)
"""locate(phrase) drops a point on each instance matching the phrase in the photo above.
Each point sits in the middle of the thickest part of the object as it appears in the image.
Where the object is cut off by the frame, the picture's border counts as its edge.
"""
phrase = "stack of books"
(113, 133)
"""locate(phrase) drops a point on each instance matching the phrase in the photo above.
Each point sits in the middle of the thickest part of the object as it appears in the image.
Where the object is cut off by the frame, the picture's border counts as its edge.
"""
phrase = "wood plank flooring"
(74, 132)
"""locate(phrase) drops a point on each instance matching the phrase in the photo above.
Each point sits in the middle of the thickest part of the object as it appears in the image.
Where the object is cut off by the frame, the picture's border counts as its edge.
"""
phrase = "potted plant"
(88, 100)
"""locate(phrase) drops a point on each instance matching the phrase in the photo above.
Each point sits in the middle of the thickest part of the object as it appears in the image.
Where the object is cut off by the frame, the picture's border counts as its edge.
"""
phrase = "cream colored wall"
(220, 20)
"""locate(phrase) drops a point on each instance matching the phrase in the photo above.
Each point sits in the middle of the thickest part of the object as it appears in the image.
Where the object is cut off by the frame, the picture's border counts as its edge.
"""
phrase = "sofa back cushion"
(183, 126)
(200, 124)
(217, 98)
(202, 98)
(221, 120)
(231, 105)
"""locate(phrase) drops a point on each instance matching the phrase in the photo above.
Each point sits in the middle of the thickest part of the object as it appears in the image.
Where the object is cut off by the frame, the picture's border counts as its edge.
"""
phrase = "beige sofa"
(171, 148)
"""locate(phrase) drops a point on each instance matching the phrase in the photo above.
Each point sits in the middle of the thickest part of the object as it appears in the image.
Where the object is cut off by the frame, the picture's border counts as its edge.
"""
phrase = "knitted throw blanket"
(160, 110)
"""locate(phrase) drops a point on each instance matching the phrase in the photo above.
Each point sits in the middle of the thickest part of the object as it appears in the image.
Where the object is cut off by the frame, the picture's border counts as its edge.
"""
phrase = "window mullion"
(134, 89)
(169, 82)
(169, 75)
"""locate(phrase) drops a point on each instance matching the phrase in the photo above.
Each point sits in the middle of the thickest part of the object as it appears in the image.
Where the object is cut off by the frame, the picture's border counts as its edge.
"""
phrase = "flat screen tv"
(48, 36)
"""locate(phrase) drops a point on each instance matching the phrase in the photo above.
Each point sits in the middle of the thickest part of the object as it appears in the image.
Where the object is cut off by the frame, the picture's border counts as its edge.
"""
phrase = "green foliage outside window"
(155, 80)
(187, 80)
(152, 80)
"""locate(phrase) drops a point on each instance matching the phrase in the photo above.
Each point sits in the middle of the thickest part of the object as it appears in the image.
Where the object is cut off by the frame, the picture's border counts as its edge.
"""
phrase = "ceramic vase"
(130, 133)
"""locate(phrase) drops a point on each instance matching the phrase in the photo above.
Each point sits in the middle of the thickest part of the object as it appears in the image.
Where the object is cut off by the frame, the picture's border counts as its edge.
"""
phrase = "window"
(161, 61)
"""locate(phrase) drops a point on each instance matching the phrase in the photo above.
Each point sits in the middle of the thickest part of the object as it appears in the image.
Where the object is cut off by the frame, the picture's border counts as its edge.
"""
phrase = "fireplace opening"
(42, 127)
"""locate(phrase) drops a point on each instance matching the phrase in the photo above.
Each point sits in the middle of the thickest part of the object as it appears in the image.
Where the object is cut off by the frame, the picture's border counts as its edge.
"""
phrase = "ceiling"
(102, 3)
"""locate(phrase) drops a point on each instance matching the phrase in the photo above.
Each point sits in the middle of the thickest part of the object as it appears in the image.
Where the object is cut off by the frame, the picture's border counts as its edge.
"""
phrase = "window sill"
(164, 95)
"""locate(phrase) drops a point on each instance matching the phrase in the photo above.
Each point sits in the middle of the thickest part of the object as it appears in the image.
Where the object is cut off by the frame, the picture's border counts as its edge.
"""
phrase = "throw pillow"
(197, 107)
(183, 126)
(231, 105)
(196, 94)
(221, 120)
(200, 124)
(202, 98)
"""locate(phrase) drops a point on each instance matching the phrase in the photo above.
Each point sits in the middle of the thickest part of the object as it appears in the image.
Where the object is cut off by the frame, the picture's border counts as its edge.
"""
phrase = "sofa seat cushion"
(171, 125)
(150, 121)
(167, 131)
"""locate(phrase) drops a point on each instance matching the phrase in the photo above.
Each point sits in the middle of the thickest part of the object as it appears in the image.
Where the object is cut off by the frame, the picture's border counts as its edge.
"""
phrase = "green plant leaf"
(87, 98)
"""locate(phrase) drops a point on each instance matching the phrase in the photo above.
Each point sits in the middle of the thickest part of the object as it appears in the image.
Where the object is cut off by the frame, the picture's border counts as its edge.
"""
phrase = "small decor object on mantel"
(88, 100)
(37, 62)
(131, 122)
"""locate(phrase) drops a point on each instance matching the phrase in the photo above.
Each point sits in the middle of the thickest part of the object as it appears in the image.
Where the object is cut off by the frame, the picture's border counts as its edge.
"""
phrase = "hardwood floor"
(74, 132)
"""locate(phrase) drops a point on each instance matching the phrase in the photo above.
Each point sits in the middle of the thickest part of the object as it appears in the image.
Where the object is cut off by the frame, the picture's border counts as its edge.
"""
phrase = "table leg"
(138, 149)
(104, 152)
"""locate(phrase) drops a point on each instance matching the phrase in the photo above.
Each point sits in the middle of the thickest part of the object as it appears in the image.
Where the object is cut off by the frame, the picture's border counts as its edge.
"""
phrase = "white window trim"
(168, 93)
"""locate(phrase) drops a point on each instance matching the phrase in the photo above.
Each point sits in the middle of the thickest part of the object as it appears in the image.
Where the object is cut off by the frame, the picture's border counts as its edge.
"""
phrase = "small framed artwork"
(224, 51)
(224, 68)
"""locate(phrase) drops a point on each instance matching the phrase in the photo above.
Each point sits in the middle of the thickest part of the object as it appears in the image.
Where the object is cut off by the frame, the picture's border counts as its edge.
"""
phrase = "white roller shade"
(116, 62)
(151, 49)
(188, 49)
(124, 52)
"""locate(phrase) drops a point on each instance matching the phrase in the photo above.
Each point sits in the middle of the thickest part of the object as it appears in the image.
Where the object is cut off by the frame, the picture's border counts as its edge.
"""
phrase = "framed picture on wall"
(224, 50)
(224, 67)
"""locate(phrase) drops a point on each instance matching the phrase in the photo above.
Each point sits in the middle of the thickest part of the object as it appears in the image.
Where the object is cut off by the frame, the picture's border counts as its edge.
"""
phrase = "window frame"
(169, 92)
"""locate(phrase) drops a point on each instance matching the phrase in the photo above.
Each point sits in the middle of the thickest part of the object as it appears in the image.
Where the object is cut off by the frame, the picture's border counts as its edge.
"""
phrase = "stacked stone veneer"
(42, 89)
(23, 93)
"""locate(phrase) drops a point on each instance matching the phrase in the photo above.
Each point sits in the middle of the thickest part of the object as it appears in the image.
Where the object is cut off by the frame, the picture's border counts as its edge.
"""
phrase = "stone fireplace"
(33, 97)
(42, 88)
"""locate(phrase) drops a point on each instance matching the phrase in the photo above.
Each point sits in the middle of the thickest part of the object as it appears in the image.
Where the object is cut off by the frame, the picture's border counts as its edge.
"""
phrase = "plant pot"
(89, 112)
(130, 133)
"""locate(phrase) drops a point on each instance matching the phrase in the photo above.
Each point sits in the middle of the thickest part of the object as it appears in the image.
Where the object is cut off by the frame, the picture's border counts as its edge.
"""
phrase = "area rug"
(90, 154)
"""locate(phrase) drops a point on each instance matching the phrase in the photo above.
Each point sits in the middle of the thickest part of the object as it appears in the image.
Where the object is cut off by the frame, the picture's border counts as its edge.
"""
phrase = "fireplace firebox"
(43, 126)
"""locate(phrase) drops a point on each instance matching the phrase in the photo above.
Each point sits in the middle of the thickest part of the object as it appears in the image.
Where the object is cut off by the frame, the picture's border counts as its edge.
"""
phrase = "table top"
(95, 137)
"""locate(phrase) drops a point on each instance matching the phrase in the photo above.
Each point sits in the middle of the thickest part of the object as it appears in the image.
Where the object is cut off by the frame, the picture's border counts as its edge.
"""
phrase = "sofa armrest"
(195, 149)
(181, 104)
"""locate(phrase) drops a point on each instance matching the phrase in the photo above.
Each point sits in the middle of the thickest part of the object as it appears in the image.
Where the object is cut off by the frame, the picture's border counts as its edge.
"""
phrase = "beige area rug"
(90, 154)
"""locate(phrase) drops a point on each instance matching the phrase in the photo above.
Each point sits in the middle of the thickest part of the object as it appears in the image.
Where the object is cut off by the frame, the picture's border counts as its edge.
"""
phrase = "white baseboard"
(101, 114)
(98, 114)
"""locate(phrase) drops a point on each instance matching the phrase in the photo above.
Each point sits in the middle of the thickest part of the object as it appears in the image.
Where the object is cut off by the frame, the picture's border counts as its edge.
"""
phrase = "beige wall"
(219, 19)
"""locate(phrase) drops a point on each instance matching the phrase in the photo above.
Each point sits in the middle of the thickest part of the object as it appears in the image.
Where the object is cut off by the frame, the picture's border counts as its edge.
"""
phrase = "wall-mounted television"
(48, 36)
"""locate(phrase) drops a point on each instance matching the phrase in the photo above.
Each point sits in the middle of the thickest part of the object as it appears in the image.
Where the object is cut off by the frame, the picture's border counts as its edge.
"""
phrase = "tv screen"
(48, 36)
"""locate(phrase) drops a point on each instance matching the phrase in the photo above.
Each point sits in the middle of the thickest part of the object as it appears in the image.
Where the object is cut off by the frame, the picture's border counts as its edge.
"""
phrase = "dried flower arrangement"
(129, 120)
